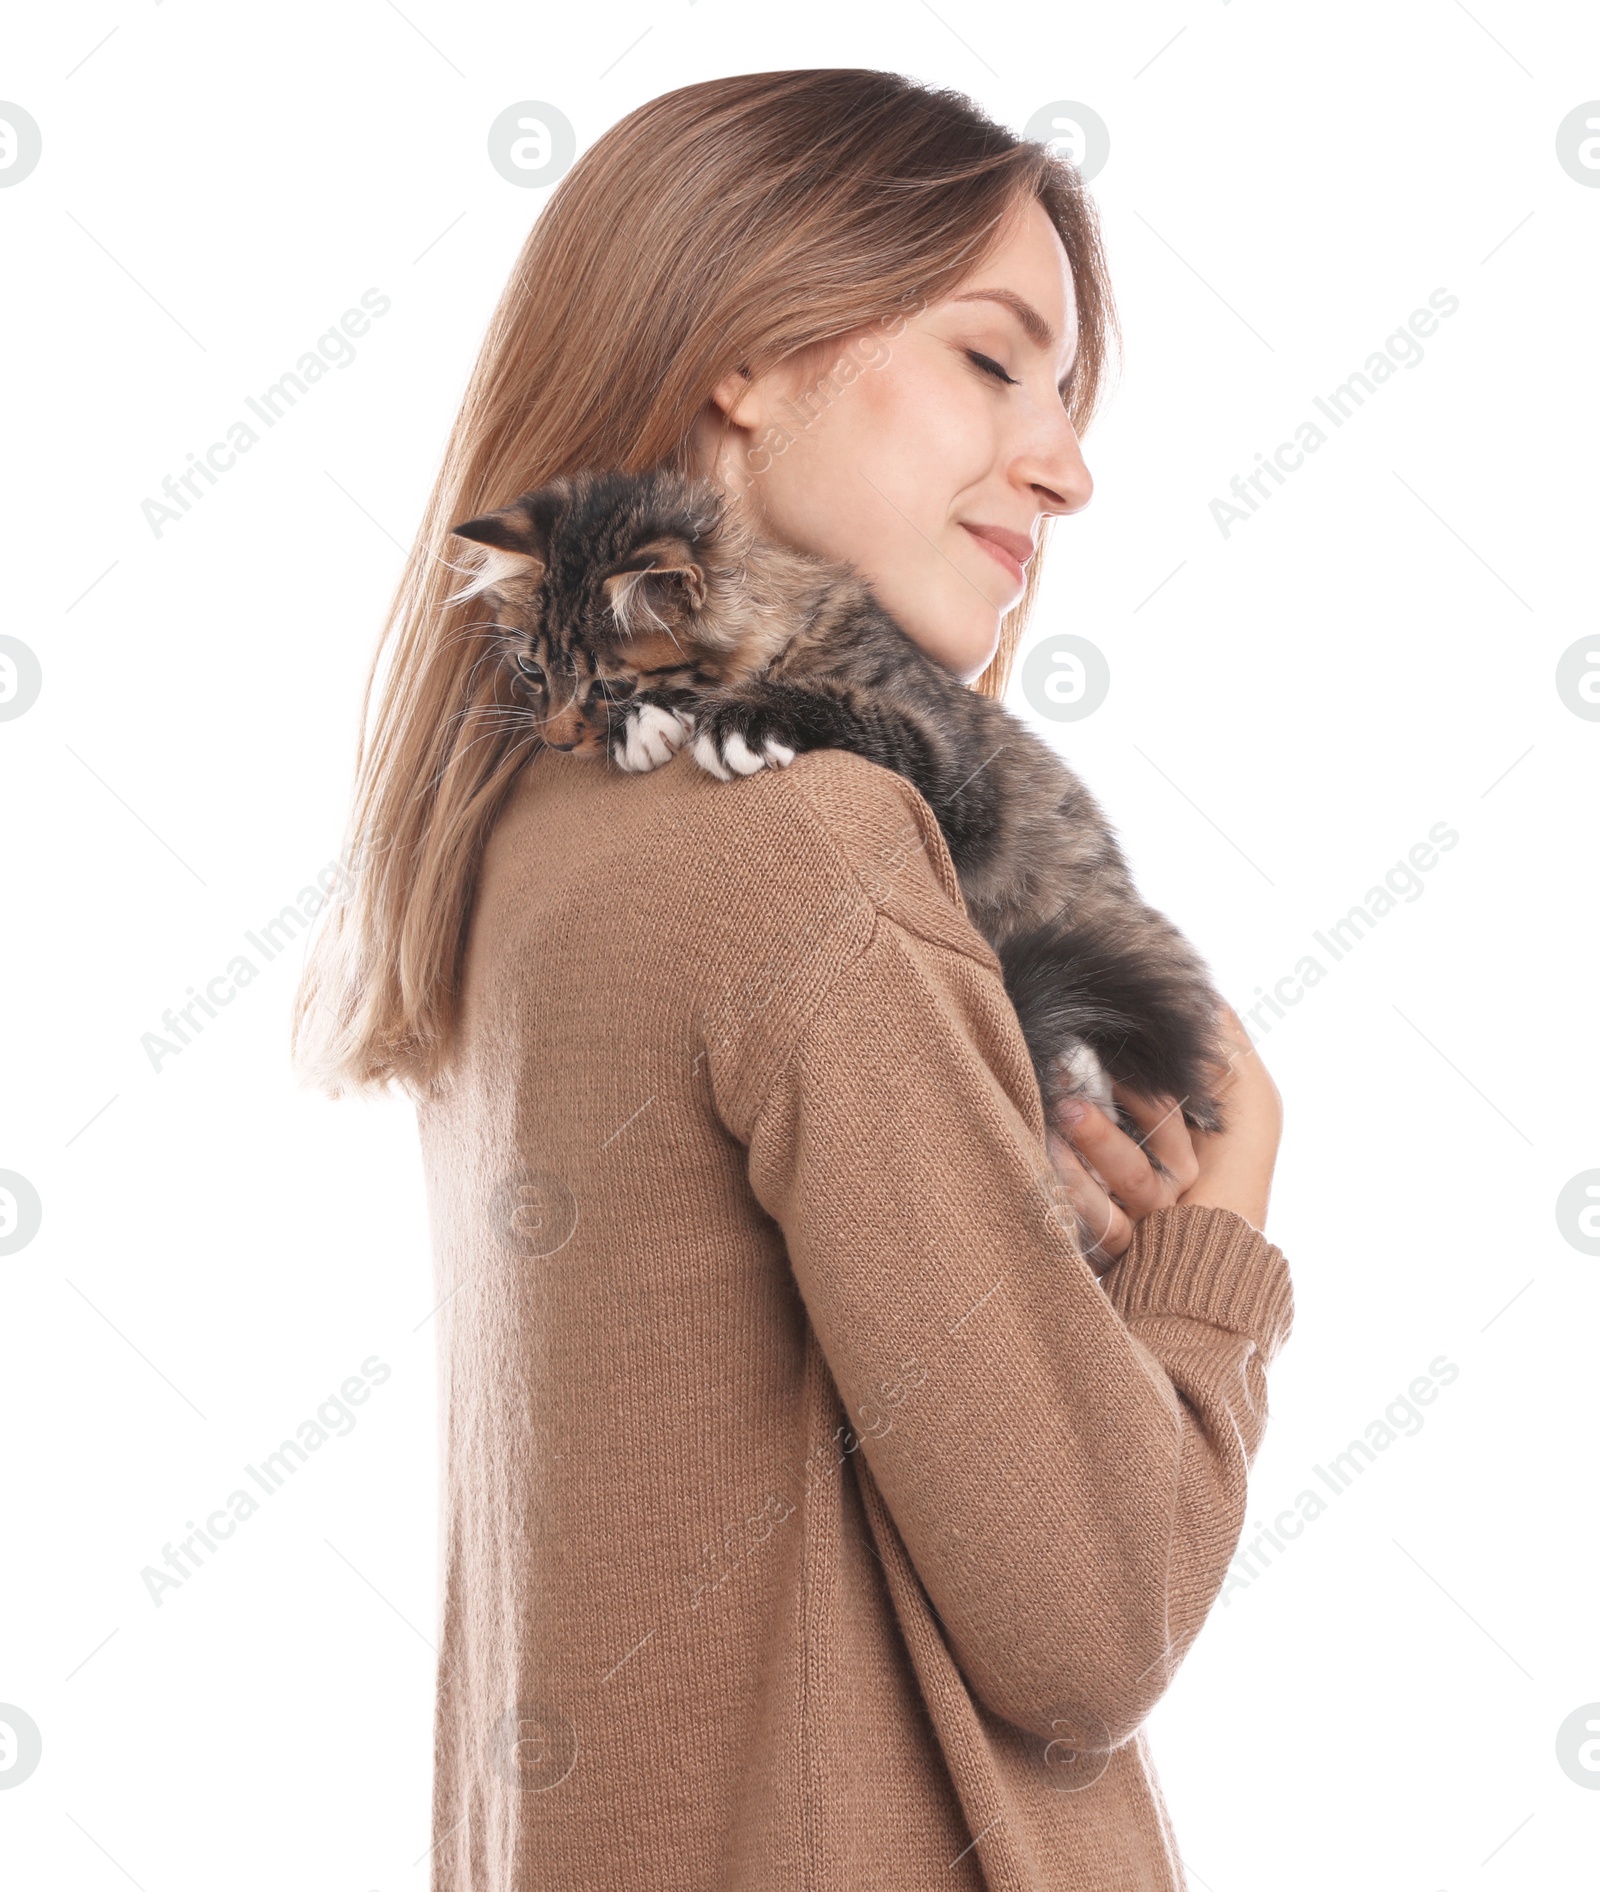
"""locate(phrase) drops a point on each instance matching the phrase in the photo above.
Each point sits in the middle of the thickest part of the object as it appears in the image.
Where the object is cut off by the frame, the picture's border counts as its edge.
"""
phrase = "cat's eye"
(532, 671)
(614, 689)
(992, 367)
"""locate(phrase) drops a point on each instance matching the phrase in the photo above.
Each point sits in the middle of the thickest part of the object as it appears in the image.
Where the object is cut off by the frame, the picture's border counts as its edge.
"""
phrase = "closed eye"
(992, 367)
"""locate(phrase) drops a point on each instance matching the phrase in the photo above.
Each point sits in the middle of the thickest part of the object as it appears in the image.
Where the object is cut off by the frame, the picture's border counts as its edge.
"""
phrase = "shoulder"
(827, 877)
(735, 909)
(832, 830)
(748, 899)
(857, 933)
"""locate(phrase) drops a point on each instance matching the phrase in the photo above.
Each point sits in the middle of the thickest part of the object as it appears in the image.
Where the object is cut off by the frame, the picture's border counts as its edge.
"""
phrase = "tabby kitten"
(639, 611)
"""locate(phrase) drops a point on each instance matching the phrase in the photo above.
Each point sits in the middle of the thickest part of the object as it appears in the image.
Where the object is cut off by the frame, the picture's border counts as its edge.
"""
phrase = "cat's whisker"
(489, 734)
(487, 700)
(478, 663)
(494, 712)
(459, 754)
(479, 633)
(491, 694)
(508, 712)
(469, 729)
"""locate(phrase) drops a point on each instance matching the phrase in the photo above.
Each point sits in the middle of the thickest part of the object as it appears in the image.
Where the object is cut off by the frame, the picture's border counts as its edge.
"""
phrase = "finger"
(1121, 1163)
(1102, 1230)
(1164, 1135)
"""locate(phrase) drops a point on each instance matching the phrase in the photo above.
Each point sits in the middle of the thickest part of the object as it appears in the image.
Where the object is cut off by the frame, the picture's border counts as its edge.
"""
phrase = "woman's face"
(927, 457)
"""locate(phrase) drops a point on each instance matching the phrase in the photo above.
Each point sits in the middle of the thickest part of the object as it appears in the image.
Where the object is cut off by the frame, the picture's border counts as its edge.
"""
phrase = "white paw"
(1086, 1076)
(651, 735)
(730, 755)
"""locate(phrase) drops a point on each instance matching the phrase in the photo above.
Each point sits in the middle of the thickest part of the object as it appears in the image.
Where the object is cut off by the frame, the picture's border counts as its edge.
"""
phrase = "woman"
(814, 1514)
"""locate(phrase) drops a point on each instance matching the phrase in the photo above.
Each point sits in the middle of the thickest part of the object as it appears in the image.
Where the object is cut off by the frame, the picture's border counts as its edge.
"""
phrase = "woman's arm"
(1064, 1457)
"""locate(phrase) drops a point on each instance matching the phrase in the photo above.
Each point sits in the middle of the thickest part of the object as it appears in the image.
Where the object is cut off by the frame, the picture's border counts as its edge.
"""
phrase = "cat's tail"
(1132, 993)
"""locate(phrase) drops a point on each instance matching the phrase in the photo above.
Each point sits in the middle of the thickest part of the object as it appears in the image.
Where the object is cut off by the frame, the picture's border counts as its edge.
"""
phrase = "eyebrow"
(1034, 326)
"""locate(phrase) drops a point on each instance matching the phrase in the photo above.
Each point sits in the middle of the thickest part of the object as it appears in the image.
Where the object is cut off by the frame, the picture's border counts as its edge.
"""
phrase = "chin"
(974, 652)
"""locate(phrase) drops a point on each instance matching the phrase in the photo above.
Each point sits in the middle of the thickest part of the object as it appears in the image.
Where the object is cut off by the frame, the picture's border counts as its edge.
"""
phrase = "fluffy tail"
(1139, 1000)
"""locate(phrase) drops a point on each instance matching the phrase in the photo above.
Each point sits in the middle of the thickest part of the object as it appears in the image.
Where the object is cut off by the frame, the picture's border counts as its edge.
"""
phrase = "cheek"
(926, 435)
(886, 458)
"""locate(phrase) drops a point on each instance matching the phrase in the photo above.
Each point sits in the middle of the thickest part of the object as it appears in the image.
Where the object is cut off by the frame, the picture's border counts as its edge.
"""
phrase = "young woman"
(815, 1512)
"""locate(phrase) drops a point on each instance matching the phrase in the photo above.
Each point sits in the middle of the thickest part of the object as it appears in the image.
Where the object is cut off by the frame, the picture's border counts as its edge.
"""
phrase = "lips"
(1010, 549)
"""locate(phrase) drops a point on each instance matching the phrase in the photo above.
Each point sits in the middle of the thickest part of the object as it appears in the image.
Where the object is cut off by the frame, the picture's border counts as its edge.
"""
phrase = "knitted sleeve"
(1063, 1455)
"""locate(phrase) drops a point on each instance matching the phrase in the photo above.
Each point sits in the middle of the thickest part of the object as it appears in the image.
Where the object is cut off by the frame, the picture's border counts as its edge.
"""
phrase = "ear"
(661, 585)
(516, 542)
(733, 398)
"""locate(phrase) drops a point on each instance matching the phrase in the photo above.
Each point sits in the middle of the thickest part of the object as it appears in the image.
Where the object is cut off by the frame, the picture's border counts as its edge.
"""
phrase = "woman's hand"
(1108, 1176)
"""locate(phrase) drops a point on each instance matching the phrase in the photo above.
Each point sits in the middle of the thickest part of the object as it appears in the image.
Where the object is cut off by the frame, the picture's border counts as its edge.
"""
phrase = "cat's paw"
(735, 740)
(648, 736)
(1076, 1075)
(729, 755)
(1080, 1074)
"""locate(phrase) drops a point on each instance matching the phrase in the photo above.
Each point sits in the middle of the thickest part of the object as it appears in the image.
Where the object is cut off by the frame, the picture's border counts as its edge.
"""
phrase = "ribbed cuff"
(1205, 1264)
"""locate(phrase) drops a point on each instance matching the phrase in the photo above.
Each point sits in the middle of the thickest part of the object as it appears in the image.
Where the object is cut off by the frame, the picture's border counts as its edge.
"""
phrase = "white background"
(1292, 708)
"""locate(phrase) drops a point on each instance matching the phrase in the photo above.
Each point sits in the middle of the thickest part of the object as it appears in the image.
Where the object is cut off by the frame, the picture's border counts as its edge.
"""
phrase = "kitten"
(638, 612)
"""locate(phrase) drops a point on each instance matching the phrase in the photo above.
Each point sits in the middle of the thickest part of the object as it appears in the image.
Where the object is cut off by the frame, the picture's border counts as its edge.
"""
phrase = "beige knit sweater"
(812, 1516)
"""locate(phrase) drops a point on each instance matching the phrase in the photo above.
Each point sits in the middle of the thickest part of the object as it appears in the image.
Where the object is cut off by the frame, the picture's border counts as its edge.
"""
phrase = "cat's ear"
(661, 586)
(515, 544)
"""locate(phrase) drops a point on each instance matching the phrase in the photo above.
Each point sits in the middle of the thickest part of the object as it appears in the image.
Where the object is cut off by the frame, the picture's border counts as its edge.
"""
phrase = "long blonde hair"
(727, 224)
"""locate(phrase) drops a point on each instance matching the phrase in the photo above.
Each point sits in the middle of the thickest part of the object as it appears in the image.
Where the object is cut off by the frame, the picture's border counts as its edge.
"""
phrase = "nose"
(1056, 471)
(564, 728)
